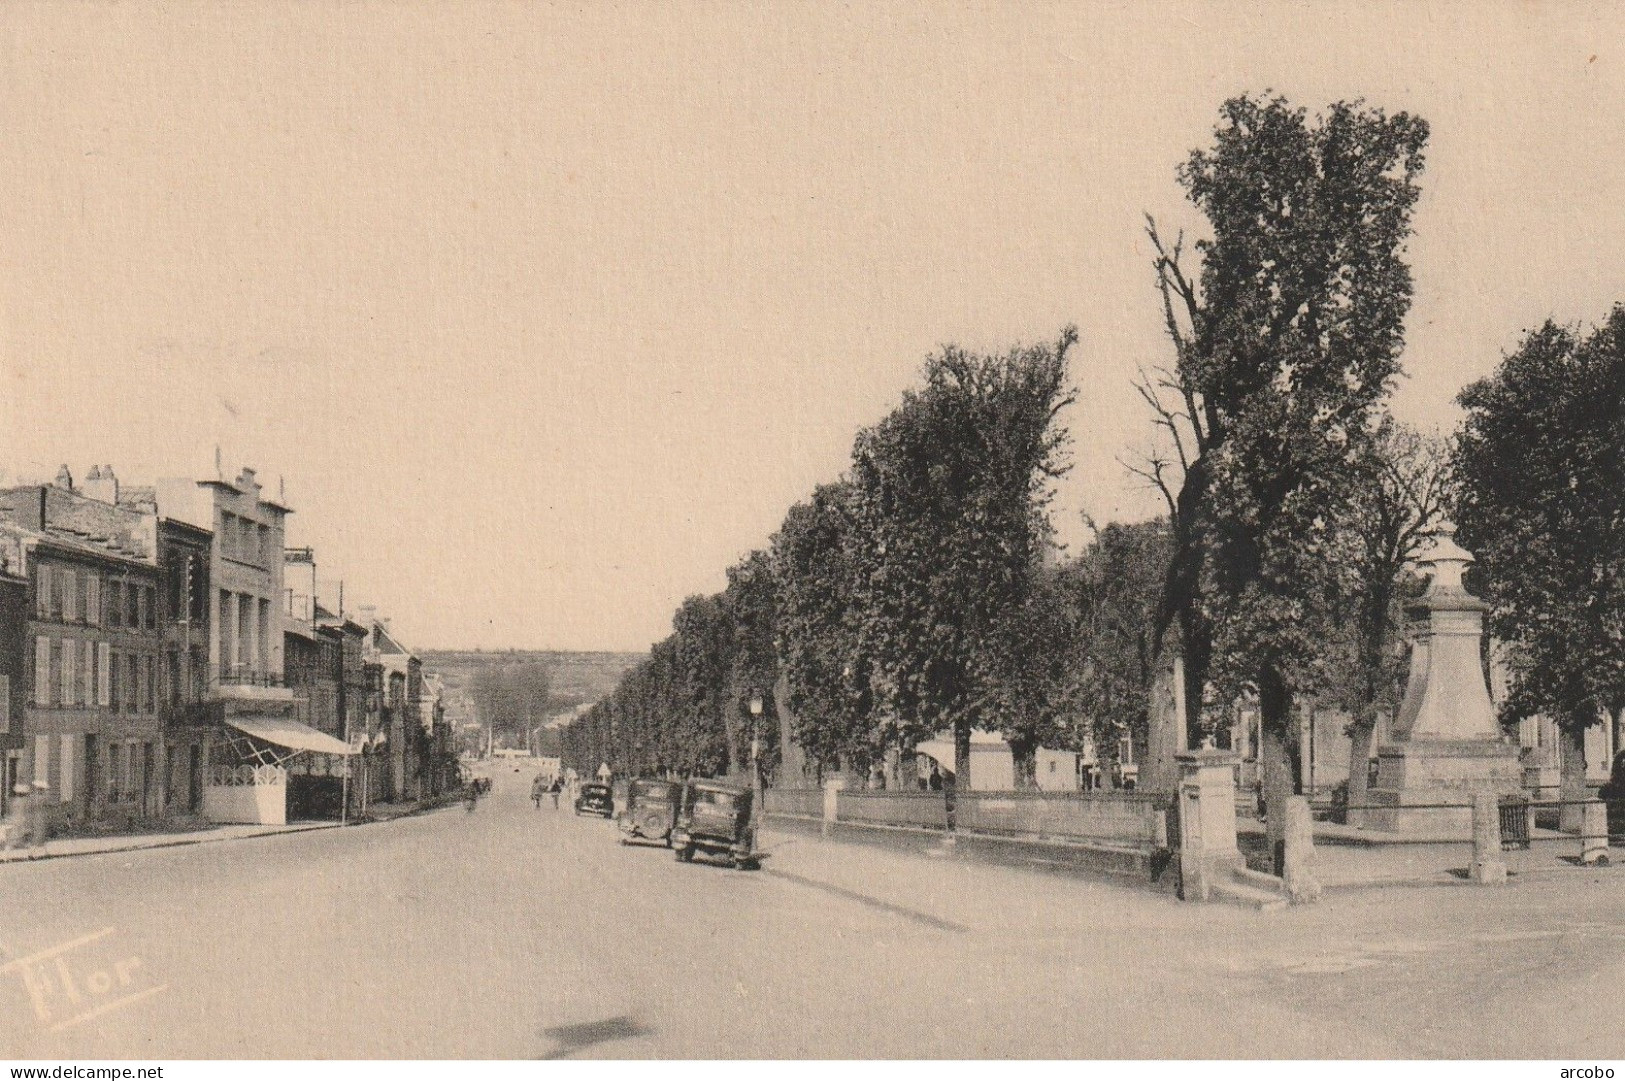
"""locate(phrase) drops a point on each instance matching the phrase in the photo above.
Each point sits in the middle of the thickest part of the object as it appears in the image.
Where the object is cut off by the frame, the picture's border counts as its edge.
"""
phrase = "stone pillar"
(1594, 833)
(1298, 865)
(1207, 821)
(1488, 867)
(1445, 743)
(832, 804)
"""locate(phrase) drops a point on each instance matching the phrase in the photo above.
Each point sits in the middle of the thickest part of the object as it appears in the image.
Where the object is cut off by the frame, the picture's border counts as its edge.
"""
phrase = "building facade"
(93, 648)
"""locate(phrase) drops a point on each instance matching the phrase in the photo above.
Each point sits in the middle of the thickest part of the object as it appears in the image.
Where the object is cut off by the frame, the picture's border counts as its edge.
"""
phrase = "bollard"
(832, 796)
(1298, 861)
(1594, 833)
(1488, 868)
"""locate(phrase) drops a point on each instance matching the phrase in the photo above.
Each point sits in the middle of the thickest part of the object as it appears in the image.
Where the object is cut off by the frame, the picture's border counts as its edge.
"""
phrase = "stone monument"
(1445, 745)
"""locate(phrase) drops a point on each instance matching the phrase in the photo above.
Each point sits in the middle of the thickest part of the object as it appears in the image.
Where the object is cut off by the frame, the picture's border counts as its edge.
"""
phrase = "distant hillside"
(575, 677)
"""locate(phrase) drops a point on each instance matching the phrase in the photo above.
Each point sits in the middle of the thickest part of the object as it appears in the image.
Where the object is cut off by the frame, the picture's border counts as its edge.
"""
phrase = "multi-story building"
(442, 751)
(13, 653)
(245, 572)
(248, 720)
(400, 685)
(91, 724)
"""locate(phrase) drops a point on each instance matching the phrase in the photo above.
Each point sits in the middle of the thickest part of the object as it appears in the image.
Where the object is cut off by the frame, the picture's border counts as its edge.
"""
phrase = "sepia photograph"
(915, 532)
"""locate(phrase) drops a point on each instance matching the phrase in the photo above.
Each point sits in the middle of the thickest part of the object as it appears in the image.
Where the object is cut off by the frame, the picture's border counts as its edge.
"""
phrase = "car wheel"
(685, 854)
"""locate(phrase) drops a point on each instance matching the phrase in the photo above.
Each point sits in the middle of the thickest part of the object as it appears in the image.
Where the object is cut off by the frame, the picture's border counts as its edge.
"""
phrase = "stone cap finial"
(1446, 561)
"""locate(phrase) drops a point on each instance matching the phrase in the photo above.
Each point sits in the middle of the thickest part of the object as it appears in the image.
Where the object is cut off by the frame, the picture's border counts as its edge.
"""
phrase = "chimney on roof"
(101, 485)
(64, 479)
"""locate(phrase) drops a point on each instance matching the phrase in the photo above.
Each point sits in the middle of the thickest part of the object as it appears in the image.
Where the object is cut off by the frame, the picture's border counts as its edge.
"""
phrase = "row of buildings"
(164, 655)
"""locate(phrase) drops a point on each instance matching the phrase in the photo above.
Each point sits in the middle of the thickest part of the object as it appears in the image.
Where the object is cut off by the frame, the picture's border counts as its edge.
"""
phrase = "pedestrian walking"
(558, 786)
(537, 788)
(935, 780)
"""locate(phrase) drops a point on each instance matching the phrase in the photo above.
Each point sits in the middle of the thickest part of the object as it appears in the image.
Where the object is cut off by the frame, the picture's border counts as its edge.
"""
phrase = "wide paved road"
(516, 934)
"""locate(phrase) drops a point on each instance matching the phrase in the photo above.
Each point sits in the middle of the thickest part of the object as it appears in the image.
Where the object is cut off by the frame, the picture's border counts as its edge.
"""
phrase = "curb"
(171, 842)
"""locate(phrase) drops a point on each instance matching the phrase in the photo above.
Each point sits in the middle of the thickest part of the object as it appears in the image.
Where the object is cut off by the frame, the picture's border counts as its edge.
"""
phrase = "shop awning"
(286, 732)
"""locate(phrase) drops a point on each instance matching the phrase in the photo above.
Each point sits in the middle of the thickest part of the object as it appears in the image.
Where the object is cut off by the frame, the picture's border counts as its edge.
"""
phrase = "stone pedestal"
(1417, 777)
(1445, 746)
(1207, 821)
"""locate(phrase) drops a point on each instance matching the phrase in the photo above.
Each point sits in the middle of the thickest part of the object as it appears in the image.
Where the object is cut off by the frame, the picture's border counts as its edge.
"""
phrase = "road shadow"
(573, 1038)
(872, 902)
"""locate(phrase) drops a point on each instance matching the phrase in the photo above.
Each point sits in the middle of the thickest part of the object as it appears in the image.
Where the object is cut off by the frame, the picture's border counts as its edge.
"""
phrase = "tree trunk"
(962, 754)
(723, 703)
(1572, 753)
(1361, 733)
(1279, 783)
(908, 769)
(792, 762)
(1165, 735)
(1024, 763)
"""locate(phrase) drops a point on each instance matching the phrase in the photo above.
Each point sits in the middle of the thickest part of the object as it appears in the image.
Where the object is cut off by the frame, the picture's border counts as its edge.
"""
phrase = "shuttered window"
(104, 674)
(42, 671)
(70, 768)
(65, 657)
(93, 599)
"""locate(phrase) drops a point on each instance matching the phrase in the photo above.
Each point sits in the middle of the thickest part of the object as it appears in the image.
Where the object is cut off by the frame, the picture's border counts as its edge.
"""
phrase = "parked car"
(595, 799)
(651, 810)
(716, 819)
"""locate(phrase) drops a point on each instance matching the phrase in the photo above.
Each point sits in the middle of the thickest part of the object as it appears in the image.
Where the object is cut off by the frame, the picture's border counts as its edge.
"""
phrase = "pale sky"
(548, 313)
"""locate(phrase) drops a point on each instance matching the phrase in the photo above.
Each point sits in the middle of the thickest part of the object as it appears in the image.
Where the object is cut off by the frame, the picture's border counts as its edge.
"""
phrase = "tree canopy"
(1541, 503)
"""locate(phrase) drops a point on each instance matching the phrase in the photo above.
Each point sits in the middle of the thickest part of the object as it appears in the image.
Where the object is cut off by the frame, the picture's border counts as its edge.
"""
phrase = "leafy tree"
(700, 683)
(950, 495)
(1402, 485)
(1030, 674)
(749, 602)
(511, 698)
(815, 565)
(1114, 588)
(1541, 503)
(1284, 345)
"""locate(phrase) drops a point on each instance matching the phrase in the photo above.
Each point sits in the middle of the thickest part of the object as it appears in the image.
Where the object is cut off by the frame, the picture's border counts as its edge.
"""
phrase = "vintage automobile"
(596, 799)
(716, 819)
(651, 810)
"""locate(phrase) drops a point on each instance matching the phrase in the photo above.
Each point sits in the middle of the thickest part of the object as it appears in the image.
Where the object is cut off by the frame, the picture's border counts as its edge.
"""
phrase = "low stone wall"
(922, 810)
(807, 802)
(1125, 820)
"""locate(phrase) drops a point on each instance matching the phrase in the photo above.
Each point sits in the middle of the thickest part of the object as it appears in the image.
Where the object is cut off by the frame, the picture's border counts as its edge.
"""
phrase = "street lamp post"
(756, 763)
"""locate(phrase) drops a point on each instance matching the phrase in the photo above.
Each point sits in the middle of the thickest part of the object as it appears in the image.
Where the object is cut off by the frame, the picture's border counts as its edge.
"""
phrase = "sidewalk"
(1344, 859)
(1351, 858)
(63, 847)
